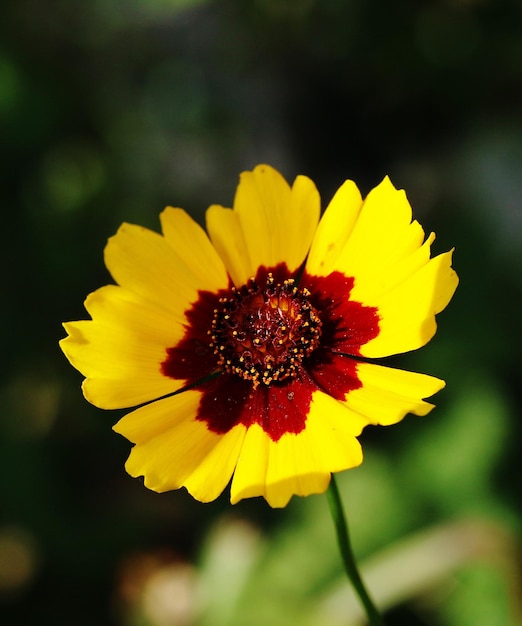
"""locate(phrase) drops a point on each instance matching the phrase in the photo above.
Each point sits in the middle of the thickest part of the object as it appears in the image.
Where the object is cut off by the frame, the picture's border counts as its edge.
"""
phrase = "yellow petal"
(388, 394)
(272, 223)
(121, 350)
(383, 250)
(224, 228)
(299, 464)
(383, 234)
(250, 476)
(407, 312)
(143, 262)
(193, 249)
(211, 476)
(176, 450)
(374, 241)
(156, 418)
(334, 229)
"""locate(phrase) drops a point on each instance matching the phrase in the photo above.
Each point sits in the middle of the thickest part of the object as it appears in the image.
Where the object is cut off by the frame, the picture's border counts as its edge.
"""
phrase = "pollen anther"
(263, 334)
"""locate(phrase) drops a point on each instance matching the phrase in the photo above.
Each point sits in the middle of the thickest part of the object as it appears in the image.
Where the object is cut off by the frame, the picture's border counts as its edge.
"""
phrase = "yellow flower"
(247, 350)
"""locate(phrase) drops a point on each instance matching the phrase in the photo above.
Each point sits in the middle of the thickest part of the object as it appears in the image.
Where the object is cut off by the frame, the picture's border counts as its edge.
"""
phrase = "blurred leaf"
(456, 453)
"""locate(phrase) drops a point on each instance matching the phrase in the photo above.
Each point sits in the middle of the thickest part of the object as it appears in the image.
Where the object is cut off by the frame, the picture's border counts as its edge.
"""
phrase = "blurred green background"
(111, 109)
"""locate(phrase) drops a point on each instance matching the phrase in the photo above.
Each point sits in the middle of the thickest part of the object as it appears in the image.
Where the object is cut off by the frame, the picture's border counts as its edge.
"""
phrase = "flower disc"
(263, 333)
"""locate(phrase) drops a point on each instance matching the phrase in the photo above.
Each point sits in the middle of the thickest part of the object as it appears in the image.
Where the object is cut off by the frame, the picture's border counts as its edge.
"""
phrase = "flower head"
(247, 350)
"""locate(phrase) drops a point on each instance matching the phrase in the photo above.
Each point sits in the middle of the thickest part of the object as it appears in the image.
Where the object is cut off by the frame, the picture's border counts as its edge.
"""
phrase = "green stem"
(343, 537)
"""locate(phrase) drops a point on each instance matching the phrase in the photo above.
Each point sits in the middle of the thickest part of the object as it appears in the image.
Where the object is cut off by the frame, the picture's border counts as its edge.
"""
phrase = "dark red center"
(269, 326)
(263, 333)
